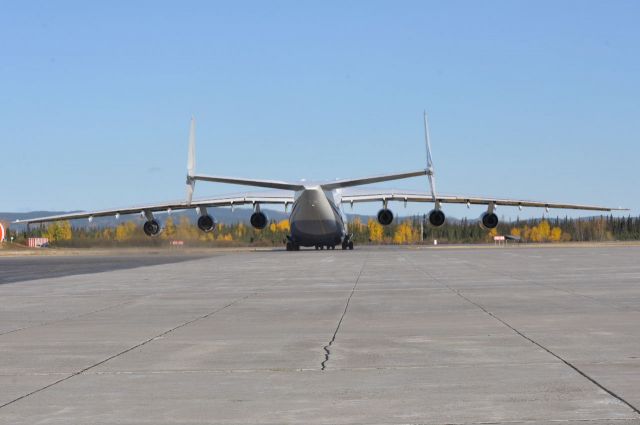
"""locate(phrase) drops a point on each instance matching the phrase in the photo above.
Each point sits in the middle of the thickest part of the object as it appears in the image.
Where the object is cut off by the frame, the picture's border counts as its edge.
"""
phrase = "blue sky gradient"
(533, 100)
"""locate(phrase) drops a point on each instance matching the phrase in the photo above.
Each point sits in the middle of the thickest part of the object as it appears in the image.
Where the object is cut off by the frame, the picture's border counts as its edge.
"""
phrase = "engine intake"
(152, 228)
(206, 223)
(385, 216)
(488, 220)
(436, 218)
(259, 220)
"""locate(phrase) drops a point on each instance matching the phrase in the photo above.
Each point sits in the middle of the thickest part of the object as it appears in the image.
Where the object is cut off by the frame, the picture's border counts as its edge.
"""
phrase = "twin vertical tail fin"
(430, 170)
(191, 161)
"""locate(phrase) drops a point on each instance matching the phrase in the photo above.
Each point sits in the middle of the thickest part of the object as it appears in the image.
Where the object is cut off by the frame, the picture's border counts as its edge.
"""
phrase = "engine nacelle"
(385, 216)
(152, 227)
(259, 220)
(436, 218)
(206, 223)
(488, 220)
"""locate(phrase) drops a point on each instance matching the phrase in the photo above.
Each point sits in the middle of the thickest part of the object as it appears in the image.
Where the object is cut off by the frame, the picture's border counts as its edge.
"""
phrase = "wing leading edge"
(167, 207)
(383, 196)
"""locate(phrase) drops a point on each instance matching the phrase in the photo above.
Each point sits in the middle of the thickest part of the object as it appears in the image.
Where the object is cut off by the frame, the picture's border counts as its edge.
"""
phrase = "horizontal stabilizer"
(272, 184)
(373, 179)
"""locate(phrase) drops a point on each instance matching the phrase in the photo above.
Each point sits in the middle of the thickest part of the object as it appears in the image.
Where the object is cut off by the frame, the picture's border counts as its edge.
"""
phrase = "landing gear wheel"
(317, 247)
(289, 246)
(350, 245)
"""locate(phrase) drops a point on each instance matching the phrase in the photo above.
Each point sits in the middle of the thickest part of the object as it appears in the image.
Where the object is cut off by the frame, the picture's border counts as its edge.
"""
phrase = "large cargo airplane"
(316, 218)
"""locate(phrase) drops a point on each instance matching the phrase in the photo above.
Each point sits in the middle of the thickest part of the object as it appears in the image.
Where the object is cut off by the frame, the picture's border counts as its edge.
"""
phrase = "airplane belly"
(314, 221)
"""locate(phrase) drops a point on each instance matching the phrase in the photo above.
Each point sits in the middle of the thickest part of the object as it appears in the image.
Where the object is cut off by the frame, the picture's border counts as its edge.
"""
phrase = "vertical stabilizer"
(430, 170)
(191, 161)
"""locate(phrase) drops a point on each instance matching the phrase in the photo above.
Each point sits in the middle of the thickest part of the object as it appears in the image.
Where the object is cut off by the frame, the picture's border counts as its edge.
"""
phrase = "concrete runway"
(463, 336)
(19, 269)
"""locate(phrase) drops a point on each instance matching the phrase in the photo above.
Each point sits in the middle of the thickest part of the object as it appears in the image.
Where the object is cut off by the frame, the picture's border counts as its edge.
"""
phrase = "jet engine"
(152, 227)
(206, 223)
(488, 220)
(385, 216)
(259, 220)
(436, 218)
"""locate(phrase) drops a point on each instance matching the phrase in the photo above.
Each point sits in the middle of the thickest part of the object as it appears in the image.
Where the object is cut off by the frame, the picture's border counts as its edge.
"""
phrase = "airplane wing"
(408, 196)
(234, 200)
(354, 195)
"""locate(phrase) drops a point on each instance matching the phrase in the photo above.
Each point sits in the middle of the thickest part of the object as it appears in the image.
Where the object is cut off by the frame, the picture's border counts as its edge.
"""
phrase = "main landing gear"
(347, 243)
(293, 246)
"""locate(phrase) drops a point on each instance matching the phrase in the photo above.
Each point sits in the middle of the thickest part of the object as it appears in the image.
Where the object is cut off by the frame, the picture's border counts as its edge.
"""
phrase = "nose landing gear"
(327, 246)
(347, 243)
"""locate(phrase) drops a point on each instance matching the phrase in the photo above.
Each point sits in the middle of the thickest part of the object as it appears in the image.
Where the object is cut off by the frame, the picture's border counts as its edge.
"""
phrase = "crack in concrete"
(550, 286)
(326, 348)
(80, 372)
(532, 341)
(63, 319)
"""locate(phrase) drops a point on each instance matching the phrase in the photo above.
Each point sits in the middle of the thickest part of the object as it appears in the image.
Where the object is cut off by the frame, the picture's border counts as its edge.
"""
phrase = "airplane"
(317, 218)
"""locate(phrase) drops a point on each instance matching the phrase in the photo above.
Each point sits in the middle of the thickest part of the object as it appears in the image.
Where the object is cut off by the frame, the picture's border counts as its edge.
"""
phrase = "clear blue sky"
(534, 100)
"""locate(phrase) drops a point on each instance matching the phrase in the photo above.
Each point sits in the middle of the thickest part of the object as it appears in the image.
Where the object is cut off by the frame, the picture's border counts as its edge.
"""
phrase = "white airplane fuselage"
(316, 218)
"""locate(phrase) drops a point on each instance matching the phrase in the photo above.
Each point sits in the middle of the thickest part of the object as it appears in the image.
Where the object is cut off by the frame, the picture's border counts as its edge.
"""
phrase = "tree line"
(402, 231)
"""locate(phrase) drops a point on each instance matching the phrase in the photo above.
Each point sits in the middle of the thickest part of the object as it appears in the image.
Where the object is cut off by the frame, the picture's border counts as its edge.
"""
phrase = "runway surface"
(19, 269)
(379, 336)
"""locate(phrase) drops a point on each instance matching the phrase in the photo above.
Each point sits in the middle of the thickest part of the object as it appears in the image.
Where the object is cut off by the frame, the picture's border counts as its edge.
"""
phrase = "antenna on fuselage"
(430, 170)
(191, 161)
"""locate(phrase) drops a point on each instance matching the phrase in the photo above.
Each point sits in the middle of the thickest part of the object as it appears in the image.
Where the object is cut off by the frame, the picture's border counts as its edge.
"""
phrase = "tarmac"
(374, 335)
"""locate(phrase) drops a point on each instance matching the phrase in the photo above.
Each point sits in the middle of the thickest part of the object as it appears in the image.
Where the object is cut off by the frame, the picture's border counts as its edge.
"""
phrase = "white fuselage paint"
(316, 217)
